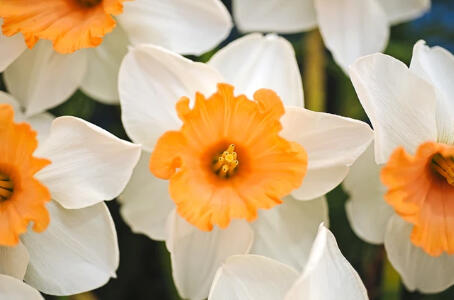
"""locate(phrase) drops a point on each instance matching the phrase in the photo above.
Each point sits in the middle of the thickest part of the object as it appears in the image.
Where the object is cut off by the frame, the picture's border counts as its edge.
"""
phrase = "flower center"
(226, 163)
(88, 3)
(6, 187)
(444, 166)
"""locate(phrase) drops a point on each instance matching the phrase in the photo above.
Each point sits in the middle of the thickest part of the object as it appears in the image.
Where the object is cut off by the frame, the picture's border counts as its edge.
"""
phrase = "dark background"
(144, 271)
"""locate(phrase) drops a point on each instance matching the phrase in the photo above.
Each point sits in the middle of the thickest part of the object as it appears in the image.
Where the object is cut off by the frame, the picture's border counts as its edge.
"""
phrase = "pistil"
(444, 166)
(226, 163)
(6, 187)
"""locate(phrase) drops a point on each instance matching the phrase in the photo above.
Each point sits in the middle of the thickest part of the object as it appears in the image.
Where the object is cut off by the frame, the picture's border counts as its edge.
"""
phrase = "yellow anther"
(231, 148)
(219, 162)
(233, 168)
(224, 171)
(226, 163)
(444, 166)
(6, 187)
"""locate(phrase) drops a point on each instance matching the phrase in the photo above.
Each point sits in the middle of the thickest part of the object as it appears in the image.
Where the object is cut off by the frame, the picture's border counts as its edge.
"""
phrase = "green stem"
(167, 270)
(314, 76)
(390, 286)
(83, 296)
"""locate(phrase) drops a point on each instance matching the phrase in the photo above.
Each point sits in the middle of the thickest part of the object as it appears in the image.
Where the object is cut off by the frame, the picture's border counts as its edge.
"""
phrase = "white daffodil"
(224, 159)
(46, 75)
(12, 288)
(327, 276)
(350, 28)
(411, 111)
(57, 234)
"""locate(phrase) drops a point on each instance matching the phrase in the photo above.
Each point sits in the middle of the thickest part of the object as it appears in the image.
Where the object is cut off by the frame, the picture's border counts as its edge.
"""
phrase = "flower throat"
(88, 3)
(226, 163)
(6, 187)
(444, 166)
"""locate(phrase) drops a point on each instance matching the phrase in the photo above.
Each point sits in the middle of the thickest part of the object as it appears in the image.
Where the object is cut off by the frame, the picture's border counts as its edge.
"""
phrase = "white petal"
(286, 232)
(436, 65)
(318, 182)
(10, 48)
(329, 139)
(14, 261)
(419, 271)
(12, 288)
(42, 78)
(328, 275)
(284, 16)
(182, 26)
(89, 164)
(366, 208)
(103, 64)
(246, 277)
(255, 61)
(352, 28)
(146, 203)
(400, 105)
(196, 255)
(151, 82)
(332, 143)
(78, 252)
(404, 10)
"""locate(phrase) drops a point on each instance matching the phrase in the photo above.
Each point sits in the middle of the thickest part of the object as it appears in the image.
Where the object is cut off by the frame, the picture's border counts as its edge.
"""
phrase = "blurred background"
(144, 271)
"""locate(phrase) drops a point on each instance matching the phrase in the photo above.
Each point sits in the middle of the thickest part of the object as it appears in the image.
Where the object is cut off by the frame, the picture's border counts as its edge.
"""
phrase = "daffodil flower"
(328, 275)
(12, 288)
(350, 28)
(57, 234)
(231, 159)
(411, 112)
(48, 74)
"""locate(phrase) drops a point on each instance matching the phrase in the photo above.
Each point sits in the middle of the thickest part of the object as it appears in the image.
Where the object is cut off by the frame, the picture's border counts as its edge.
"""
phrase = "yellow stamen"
(218, 163)
(444, 166)
(6, 187)
(225, 164)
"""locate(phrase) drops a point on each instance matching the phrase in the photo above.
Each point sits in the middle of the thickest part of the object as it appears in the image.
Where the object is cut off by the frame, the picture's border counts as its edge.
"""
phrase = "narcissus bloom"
(48, 74)
(350, 28)
(327, 275)
(57, 234)
(228, 159)
(412, 113)
(232, 163)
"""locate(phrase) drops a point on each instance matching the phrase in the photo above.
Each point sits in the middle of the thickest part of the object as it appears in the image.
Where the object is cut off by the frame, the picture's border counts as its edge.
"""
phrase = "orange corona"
(70, 24)
(228, 160)
(421, 190)
(22, 197)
